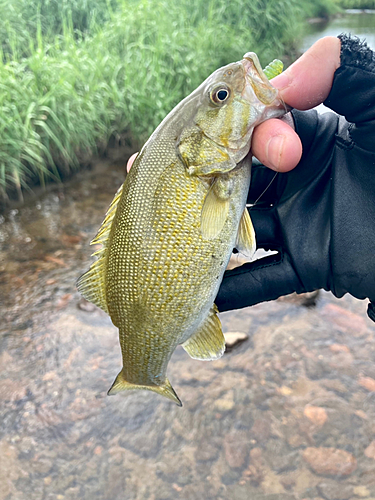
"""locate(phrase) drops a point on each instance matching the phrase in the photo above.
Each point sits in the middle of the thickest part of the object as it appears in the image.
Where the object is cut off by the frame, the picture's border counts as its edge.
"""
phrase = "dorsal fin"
(92, 284)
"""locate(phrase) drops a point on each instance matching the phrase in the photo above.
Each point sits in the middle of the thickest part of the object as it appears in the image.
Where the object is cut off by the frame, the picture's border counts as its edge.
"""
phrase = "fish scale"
(170, 231)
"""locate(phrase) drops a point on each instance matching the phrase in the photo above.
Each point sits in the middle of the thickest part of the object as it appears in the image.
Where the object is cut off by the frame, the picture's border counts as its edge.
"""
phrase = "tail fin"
(166, 390)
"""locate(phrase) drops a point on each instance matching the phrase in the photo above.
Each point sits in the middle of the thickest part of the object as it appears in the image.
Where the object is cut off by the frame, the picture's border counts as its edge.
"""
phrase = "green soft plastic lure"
(273, 69)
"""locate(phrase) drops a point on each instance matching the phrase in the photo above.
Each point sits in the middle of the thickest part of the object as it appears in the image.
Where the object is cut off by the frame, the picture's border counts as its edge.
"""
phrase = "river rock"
(271, 484)
(233, 339)
(361, 491)
(330, 461)
(345, 320)
(316, 415)
(236, 449)
(206, 452)
(12, 390)
(261, 429)
(370, 450)
(367, 382)
(332, 490)
(225, 403)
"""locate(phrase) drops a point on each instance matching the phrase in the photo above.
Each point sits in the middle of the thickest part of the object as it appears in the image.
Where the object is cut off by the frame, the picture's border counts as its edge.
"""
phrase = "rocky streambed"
(288, 414)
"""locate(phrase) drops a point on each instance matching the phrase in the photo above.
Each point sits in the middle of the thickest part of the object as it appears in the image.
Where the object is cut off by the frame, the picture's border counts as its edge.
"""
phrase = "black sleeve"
(320, 216)
(352, 169)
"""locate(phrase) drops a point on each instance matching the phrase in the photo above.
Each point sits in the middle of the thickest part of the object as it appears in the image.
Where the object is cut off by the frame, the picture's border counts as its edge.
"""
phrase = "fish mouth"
(255, 76)
(252, 66)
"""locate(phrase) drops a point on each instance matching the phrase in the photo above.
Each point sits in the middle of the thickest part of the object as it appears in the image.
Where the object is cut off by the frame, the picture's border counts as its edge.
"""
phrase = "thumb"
(258, 281)
(308, 81)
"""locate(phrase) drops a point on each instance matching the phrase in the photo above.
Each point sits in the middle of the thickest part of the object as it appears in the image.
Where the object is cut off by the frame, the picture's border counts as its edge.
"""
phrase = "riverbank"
(73, 79)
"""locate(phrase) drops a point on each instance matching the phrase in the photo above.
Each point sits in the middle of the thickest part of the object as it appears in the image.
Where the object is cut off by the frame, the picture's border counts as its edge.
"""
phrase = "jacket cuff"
(371, 311)
(355, 52)
(353, 92)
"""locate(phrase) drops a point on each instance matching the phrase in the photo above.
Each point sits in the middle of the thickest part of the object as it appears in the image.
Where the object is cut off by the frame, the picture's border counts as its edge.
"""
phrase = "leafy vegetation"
(75, 73)
(357, 4)
(321, 8)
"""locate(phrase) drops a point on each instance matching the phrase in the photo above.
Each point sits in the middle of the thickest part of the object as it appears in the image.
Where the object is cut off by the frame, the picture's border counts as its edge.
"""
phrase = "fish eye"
(219, 95)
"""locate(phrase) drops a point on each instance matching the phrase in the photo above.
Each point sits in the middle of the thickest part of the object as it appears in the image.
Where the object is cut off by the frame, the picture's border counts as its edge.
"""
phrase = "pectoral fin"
(214, 213)
(208, 341)
(121, 384)
(245, 242)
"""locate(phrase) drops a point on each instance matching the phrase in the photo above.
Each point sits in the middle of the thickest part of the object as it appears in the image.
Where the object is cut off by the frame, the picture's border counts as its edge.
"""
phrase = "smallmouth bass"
(170, 230)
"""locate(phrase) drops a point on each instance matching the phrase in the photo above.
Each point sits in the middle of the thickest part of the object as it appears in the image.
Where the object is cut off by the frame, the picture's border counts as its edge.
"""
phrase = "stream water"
(287, 415)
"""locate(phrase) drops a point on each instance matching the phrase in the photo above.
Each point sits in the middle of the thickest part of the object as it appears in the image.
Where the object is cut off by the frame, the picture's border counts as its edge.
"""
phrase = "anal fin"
(246, 243)
(208, 342)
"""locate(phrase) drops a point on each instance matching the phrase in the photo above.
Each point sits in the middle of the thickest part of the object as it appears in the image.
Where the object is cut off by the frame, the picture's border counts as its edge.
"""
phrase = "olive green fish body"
(170, 231)
(171, 273)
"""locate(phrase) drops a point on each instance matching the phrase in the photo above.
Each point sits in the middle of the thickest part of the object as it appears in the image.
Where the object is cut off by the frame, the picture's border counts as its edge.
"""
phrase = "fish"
(170, 230)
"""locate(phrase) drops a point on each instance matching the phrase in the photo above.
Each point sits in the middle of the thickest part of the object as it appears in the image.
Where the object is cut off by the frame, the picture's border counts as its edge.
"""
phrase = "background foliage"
(74, 73)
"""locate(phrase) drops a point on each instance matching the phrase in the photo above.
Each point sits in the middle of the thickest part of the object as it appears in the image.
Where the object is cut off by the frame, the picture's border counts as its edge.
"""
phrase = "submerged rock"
(330, 461)
(233, 339)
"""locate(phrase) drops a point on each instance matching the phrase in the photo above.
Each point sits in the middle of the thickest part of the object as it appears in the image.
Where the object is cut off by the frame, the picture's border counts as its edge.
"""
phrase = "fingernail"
(281, 81)
(274, 151)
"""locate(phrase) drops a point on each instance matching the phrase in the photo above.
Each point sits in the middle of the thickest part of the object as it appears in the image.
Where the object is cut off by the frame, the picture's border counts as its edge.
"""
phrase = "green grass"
(357, 4)
(320, 8)
(85, 71)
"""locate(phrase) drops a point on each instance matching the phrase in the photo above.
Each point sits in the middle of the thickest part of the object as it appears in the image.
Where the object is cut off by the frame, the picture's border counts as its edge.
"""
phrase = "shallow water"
(287, 415)
(357, 22)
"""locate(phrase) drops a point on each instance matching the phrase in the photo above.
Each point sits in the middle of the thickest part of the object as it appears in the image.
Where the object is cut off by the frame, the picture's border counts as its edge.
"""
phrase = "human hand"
(304, 85)
(320, 215)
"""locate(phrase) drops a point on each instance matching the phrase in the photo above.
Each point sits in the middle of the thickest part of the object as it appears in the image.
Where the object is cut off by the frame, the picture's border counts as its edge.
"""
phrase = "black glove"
(320, 217)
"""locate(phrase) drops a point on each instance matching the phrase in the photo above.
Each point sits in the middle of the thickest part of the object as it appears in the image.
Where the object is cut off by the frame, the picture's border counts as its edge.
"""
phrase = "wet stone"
(231, 476)
(40, 465)
(234, 339)
(192, 398)
(86, 306)
(316, 369)
(335, 385)
(206, 452)
(330, 461)
(261, 429)
(225, 403)
(276, 496)
(280, 458)
(26, 448)
(345, 320)
(332, 490)
(316, 414)
(370, 450)
(173, 471)
(361, 491)
(236, 448)
(368, 383)
(12, 390)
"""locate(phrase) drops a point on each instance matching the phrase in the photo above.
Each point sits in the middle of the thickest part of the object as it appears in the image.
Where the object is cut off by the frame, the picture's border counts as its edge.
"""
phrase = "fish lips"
(262, 88)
